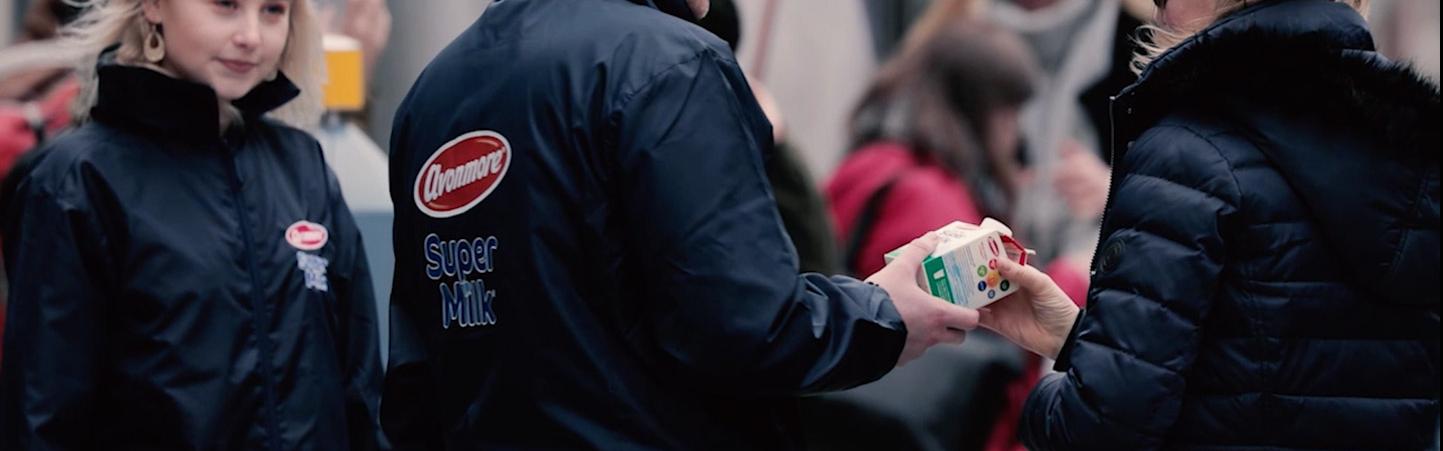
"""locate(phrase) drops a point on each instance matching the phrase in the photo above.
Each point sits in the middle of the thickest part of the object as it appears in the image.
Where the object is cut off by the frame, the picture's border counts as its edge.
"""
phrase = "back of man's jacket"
(587, 250)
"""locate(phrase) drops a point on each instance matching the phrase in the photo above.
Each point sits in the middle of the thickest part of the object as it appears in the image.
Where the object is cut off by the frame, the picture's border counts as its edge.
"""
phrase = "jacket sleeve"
(62, 281)
(723, 306)
(359, 331)
(1157, 272)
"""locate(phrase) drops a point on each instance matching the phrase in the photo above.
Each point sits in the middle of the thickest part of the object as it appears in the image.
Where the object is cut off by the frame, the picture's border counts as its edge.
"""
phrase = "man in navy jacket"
(588, 254)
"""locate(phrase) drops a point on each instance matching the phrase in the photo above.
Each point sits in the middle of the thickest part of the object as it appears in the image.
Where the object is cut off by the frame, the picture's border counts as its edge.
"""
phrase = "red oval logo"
(306, 235)
(462, 173)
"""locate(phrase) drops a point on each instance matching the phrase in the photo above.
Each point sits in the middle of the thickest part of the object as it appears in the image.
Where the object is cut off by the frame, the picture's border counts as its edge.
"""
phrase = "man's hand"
(929, 320)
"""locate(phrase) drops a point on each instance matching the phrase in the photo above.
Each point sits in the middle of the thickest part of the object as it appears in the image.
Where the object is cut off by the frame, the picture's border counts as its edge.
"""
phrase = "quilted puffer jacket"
(1268, 274)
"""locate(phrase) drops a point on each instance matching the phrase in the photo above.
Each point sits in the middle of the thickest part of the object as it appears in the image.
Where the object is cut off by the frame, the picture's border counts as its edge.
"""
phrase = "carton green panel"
(937, 278)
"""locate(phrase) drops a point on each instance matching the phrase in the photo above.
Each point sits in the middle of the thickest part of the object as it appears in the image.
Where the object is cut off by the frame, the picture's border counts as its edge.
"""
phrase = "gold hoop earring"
(154, 45)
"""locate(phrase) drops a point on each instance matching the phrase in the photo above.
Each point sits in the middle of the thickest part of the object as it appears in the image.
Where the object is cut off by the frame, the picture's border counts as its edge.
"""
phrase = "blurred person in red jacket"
(936, 140)
(35, 83)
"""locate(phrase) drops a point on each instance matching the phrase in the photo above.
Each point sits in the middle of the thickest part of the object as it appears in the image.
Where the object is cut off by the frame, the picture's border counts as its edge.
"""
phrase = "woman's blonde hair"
(1156, 39)
(110, 22)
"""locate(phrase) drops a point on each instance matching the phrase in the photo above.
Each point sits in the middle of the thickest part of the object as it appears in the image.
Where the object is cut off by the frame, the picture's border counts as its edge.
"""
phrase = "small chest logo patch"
(306, 235)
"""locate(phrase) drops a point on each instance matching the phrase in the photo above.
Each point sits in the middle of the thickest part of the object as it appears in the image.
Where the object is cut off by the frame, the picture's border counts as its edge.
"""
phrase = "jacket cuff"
(890, 318)
(1064, 362)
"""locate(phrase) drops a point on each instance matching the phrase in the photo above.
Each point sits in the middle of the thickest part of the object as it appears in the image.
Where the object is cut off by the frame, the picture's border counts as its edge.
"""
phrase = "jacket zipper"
(259, 308)
(1111, 185)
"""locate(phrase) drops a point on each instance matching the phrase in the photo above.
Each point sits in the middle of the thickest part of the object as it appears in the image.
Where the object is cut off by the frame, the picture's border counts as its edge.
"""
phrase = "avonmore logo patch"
(306, 235)
(462, 173)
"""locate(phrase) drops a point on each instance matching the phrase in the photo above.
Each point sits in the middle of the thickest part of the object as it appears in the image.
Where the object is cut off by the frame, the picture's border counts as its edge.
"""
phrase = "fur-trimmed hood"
(1356, 135)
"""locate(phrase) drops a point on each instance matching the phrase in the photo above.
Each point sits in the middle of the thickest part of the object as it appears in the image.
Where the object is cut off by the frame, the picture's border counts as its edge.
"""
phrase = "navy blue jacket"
(176, 288)
(1268, 277)
(588, 254)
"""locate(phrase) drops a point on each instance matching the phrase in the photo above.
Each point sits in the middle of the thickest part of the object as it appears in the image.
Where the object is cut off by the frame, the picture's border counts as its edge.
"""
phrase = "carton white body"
(963, 269)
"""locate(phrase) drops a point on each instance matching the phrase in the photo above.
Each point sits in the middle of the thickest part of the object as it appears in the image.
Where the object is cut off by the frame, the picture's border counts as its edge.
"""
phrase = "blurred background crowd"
(888, 123)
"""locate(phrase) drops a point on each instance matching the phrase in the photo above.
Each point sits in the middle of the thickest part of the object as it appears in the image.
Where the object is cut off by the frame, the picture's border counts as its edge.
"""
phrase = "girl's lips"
(238, 66)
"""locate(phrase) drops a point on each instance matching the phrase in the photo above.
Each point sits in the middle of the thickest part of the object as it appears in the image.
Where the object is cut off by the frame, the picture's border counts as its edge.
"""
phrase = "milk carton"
(963, 269)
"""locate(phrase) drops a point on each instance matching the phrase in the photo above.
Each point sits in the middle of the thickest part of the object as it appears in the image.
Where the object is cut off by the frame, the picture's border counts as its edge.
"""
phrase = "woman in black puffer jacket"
(1268, 274)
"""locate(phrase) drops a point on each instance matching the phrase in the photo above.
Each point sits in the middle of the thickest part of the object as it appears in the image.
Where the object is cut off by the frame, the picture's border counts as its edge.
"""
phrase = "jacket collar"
(144, 98)
(1277, 24)
(1313, 55)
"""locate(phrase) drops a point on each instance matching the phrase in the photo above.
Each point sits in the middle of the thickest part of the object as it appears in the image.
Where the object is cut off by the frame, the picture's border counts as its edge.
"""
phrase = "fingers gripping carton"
(963, 269)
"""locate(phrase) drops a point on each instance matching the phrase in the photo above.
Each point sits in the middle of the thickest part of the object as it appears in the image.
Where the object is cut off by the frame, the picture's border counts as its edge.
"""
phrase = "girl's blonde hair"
(108, 22)
(1157, 39)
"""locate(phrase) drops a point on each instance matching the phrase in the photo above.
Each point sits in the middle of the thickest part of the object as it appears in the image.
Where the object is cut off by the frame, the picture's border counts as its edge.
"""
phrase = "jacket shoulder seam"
(625, 99)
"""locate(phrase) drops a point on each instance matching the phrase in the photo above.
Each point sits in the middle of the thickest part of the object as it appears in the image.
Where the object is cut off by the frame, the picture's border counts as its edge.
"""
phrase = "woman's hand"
(1038, 316)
